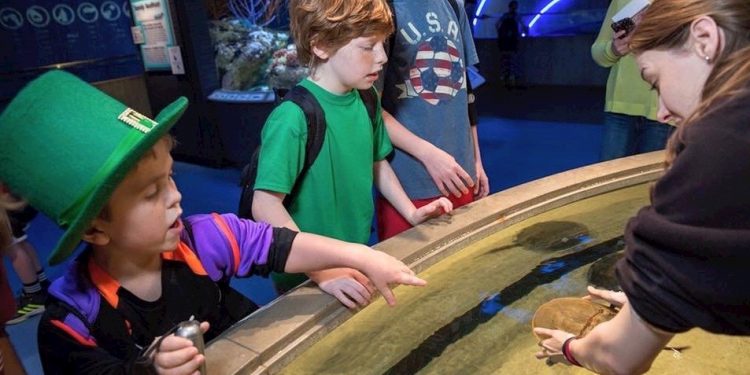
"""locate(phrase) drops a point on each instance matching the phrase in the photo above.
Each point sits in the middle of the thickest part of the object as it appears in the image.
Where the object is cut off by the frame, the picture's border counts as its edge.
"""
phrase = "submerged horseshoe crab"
(601, 274)
(571, 314)
(549, 236)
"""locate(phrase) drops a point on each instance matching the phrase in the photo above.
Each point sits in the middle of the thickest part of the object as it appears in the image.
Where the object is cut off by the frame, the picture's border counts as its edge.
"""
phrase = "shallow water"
(474, 315)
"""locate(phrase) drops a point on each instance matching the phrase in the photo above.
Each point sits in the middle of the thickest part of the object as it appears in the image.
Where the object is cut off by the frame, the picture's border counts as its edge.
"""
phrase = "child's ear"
(95, 235)
(320, 52)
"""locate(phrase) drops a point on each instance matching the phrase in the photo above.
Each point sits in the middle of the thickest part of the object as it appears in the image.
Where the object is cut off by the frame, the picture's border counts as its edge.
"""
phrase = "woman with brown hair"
(688, 253)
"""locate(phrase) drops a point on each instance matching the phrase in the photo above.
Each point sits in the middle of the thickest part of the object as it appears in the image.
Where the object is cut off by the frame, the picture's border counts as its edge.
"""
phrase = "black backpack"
(316, 131)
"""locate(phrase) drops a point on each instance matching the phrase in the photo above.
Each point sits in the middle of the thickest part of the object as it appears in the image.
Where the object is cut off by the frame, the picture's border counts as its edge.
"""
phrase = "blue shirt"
(425, 87)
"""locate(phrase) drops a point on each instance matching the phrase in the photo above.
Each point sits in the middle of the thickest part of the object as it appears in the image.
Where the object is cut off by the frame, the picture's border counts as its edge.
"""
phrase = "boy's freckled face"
(144, 210)
(356, 65)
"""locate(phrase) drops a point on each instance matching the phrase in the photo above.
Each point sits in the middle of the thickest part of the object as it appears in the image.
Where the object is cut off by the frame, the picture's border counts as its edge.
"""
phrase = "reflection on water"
(474, 315)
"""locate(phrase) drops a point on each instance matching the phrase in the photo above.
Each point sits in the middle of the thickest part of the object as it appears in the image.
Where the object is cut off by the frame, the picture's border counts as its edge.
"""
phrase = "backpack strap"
(454, 5)
(392, 38)
(316, 132)
(370, 99)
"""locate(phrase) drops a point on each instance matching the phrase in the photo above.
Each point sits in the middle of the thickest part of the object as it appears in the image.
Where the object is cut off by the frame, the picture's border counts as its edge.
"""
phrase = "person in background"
(510, 28)
(9, 361)
(630, 122)
(23, 257)
(342, 41)
(427, 108)
(695, 235)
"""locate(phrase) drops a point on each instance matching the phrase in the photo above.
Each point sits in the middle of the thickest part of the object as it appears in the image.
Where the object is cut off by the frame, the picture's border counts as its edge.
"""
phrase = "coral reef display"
(252, 12)
(285, 70)
(248, 53)
(243, 53)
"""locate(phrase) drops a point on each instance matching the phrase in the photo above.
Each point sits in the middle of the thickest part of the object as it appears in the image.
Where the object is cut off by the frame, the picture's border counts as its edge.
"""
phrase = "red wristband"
(566, 351)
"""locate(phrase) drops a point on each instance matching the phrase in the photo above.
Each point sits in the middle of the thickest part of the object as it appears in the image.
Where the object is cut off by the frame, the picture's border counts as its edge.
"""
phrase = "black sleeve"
(471, 98)
(687, 259)
(280, 248)
(60, 353)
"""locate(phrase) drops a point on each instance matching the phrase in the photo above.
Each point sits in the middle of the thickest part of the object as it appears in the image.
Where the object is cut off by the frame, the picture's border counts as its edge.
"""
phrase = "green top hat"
(65, 146)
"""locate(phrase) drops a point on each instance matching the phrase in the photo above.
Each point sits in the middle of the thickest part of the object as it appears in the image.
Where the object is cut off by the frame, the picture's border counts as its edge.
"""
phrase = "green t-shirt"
(335, 198)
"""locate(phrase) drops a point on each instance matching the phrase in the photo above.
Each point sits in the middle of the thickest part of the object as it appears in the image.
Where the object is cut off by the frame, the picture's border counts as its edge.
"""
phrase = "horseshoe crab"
(601, 274)
(571, 314)
(549, 236)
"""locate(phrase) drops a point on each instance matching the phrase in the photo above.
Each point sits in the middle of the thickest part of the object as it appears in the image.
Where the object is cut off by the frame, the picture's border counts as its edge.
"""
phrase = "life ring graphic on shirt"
(438, 72)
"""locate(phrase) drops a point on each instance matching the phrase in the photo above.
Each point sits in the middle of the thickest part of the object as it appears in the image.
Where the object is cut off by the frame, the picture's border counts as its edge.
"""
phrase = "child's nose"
(175, 197)
(381, 57)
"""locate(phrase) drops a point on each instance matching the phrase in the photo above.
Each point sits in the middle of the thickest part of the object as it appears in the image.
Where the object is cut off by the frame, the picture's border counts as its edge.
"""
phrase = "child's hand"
(348, 285)
(178, 355)
(482, 187)
(436, 208)
(383, 269)
(446, 173)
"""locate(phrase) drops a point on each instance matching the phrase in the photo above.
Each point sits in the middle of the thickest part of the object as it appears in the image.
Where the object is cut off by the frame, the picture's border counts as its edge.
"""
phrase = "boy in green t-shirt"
(342, 42)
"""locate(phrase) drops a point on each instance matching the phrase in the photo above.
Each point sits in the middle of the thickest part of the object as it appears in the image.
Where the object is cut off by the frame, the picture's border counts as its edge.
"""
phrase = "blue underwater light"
(544, 10)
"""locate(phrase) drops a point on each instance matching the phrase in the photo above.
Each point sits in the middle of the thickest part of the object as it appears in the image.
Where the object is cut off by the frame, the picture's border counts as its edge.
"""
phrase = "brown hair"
(331, 24)
(666, 26)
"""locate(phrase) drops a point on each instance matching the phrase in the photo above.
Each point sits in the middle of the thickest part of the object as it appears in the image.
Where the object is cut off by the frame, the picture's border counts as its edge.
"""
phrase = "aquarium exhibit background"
(253, 47)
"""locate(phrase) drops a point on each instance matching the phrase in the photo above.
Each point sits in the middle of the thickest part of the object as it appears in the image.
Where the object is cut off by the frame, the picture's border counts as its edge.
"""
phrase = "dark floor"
(525, 134)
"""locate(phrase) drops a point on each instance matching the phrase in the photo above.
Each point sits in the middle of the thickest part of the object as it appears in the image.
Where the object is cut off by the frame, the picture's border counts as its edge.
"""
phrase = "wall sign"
(90, 38)
(152, 17)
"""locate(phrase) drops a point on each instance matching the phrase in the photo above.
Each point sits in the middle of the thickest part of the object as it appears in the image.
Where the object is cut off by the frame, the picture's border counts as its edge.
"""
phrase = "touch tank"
(488, 267)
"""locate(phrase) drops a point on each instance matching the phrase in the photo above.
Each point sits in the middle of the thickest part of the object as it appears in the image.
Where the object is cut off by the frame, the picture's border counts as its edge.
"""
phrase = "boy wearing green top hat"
(103, 172)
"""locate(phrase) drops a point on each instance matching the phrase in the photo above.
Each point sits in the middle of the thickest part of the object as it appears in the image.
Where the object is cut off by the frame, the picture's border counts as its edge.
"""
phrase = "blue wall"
(91, 39)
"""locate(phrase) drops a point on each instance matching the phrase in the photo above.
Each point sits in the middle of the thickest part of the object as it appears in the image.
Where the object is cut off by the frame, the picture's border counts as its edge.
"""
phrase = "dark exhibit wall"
(90, 39)
(212, 133)
(197, 131)
(547, 61)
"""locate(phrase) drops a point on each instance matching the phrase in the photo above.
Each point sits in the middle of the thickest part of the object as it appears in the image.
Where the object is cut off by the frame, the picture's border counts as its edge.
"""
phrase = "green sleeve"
(601, 50)
(282, 150)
